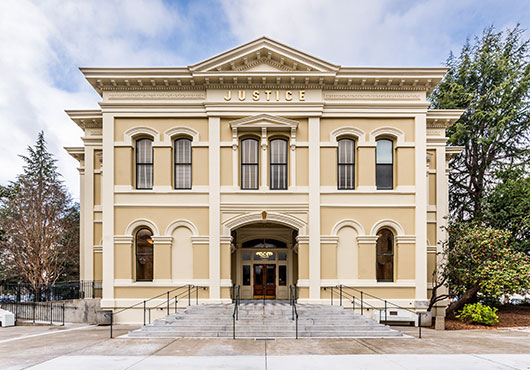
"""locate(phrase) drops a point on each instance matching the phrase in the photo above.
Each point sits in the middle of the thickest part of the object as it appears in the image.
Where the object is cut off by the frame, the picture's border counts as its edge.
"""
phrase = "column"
(215, 211)
(87, 212)
(420, 130)
(314, 208)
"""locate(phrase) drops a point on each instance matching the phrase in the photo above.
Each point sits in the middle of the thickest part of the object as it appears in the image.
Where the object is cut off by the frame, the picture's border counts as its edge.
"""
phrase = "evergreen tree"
(36, 218)
(491, 80)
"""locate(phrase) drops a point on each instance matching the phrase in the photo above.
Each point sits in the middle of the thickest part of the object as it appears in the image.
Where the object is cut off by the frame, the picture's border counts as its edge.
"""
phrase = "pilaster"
(314, 208)
(107, 205)
(420, 131)
(214, 210)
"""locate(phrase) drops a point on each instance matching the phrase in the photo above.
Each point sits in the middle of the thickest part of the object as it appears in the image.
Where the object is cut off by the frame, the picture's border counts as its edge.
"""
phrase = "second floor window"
(346, 164)
(249, 164)
(182, 164)
(144, 164)
(384, 172)
(278, 164)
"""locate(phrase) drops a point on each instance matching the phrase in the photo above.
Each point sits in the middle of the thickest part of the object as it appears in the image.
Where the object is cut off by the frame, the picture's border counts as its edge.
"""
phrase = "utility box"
(6, 318)
(396, 315)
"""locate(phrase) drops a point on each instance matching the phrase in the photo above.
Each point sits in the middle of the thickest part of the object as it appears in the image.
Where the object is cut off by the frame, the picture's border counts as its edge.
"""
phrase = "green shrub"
(478, 313)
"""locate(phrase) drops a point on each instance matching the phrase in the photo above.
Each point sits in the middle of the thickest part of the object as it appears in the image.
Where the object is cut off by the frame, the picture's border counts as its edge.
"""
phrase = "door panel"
(264, 281)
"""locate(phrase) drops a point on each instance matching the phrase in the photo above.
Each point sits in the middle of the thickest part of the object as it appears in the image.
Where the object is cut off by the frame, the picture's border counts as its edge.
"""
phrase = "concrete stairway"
(272, 320)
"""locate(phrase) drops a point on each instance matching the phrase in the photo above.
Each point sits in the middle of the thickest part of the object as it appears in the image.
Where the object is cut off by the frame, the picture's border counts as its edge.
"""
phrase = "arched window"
(384, 172)
(249, 164)
(346, 164)
(385, 255)
(144, 255)
(144, 164)
(182, 151)
(278, 164)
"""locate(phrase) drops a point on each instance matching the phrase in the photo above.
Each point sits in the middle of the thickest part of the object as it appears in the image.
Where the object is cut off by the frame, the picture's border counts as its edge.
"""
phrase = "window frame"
(377, 254)
(339, 164)
(175, 164)
(391, 165)
(136, 255)
(285, 165)
(248, 164)
(138, 164)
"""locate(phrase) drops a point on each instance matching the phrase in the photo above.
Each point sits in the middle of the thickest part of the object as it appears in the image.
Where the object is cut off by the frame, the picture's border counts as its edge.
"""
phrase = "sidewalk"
(90, 348)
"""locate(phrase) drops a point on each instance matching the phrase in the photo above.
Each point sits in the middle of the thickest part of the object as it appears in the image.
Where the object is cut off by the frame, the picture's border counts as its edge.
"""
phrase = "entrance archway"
(264, 260)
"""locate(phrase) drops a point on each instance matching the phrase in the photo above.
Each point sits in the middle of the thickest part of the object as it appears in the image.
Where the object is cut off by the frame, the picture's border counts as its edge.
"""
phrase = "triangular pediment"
(264, 121)
(263, 55)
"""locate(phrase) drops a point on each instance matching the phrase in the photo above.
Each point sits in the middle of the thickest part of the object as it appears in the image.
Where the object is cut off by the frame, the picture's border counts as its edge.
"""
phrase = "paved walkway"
(77, 347)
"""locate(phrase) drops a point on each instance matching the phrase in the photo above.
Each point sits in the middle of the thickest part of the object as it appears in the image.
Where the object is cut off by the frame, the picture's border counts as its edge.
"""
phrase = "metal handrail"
(175, 299)
(235, 314)
(292, 302)
(362, 302)
(144, 302)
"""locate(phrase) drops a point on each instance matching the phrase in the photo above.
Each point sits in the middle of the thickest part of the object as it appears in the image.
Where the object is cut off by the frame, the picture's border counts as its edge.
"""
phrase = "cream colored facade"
(264, 90)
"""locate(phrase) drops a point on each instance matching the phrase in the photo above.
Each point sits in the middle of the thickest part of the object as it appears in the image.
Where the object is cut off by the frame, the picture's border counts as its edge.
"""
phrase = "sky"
(43, 43)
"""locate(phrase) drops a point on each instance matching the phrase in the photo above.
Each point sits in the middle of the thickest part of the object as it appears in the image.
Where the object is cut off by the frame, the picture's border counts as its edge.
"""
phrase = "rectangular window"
(384, 172)
(246, 274)
(182, 164)
(346, 164)
(278, 164)
(249, 164)
(282, 275)
(144, 164)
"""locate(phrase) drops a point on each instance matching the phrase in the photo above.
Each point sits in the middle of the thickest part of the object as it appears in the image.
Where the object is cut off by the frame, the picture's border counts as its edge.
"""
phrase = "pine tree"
(36, 218)
(491, 80)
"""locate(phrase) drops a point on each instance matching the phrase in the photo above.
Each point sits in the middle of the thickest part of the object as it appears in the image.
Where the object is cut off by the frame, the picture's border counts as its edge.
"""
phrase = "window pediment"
(264, 121)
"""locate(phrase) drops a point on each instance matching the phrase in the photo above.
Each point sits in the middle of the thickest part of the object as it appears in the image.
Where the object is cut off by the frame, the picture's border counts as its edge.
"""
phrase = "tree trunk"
(468, 296)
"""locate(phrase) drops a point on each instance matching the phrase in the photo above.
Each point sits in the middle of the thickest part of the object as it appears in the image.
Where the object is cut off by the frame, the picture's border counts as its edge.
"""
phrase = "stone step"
(265, 321)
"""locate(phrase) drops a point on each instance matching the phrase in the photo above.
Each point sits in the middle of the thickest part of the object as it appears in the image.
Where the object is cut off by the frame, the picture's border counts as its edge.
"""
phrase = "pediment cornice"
(279, 55)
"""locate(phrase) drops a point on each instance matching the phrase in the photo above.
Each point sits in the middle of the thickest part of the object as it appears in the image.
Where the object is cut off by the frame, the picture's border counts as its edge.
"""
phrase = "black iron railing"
(236, 298)
(38, 312)
(356, 295)
(293, 297)
(172, 296)
(64, 290)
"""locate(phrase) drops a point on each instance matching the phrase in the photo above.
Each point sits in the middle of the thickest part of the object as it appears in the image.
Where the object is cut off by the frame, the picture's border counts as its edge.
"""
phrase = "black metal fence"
(20, 292)
(38, 312)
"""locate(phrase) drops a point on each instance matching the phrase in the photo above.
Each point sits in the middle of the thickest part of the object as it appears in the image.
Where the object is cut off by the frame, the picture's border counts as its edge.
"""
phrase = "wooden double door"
(264, 281)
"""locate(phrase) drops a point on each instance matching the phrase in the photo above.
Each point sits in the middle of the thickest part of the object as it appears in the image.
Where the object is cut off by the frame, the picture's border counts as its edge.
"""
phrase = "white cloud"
(353, 33)
(43, 43)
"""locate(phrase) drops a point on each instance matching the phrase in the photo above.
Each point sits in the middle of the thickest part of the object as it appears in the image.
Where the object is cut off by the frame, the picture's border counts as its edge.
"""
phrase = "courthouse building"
(263, 167)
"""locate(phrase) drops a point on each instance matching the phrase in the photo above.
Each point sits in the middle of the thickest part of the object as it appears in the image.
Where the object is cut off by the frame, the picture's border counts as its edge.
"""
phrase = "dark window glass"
(258, 274)
(346, 164)
(271, 279)
(278, 164)
(282, 256)
(182, 164)
(282, 275)
(264, 243)
(144, 164)
(246, 256)
(384, 172)
(385, 255)
(144, 255)
(249, 164)
(246, 274)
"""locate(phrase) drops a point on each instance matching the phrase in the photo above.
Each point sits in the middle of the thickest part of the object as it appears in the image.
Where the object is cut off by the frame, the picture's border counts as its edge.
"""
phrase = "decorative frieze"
(155, 95)
(367, 95)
